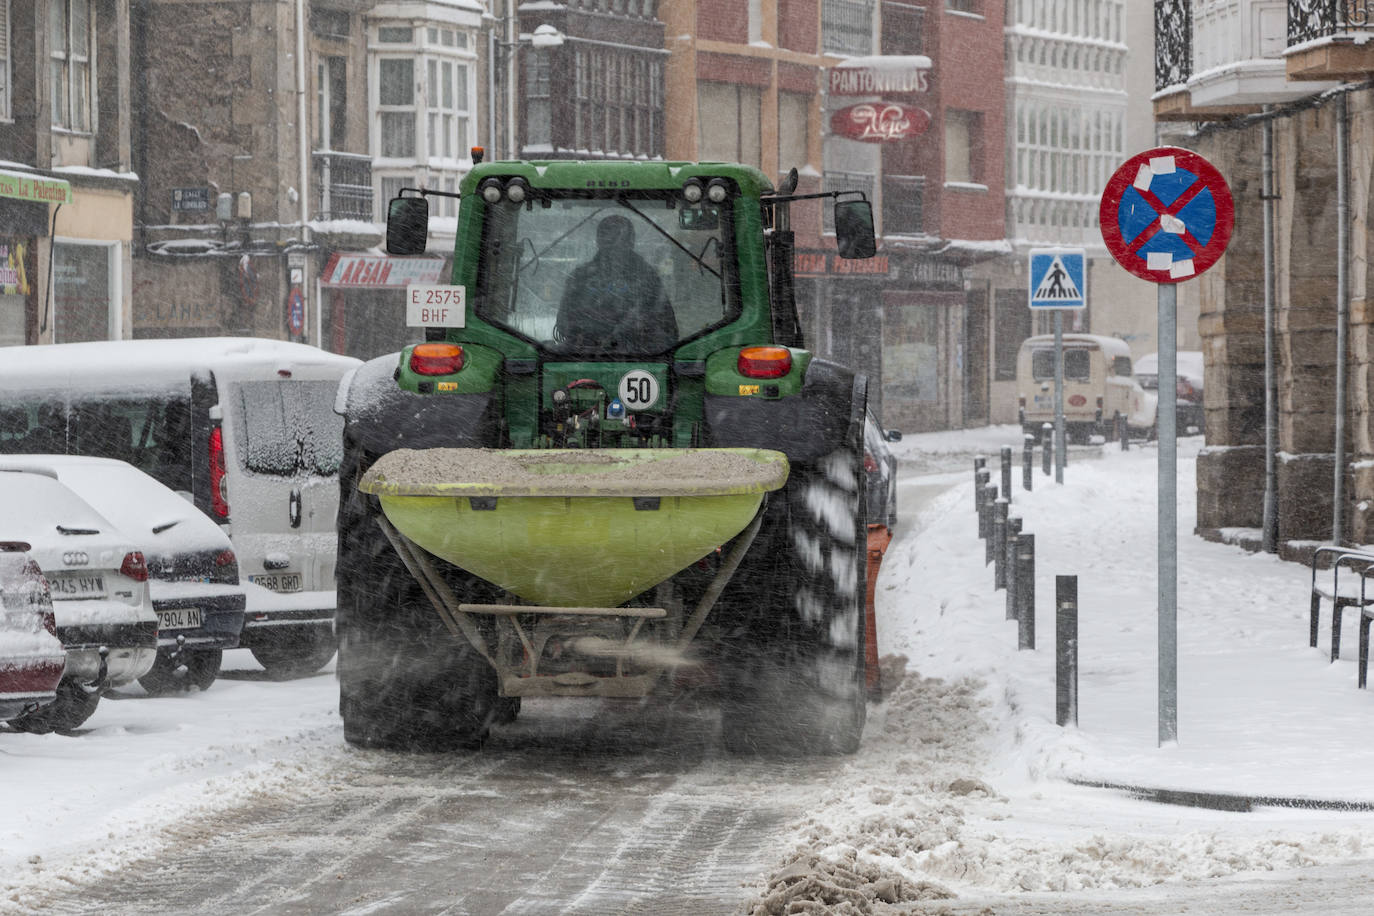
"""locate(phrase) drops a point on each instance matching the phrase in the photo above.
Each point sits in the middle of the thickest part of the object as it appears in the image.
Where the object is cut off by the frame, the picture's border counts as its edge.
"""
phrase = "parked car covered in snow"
(98, 580)
(1099, 384)
(1188, 386)
(244, 427)
(31, 656)
(193, 576)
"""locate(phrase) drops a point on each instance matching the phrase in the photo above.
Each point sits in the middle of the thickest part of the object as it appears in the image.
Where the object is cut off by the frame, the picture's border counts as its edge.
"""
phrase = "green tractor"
(611, 469)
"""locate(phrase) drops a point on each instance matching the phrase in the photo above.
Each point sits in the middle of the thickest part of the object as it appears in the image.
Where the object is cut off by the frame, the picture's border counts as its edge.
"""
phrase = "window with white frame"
(424, 96)
(70, 25)
(4, 59)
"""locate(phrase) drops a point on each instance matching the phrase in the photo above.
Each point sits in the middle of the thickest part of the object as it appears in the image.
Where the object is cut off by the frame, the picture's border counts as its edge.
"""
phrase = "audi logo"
(75, 558)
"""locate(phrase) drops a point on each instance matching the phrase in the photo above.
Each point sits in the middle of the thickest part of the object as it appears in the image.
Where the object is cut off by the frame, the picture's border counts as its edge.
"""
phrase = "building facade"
(67, 189)
(1276, 96)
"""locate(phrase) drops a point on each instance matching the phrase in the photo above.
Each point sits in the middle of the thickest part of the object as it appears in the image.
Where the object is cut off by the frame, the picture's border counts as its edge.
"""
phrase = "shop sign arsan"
(366, 270)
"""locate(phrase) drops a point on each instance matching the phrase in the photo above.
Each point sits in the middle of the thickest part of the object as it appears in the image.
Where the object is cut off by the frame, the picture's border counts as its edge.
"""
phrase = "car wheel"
(73, 706)
(180, 672)
(297, 653)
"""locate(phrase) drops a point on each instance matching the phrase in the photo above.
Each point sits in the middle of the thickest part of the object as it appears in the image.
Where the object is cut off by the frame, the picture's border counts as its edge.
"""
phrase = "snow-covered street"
(960, 798)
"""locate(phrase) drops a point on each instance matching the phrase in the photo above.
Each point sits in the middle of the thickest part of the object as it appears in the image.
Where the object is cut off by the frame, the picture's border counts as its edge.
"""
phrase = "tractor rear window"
(1077, 364)
(288, 427)
(596, 275)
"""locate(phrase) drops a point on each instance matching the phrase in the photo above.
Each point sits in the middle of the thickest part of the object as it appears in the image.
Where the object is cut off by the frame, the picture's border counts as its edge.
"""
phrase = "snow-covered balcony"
(1330, 40)
(1231, 59)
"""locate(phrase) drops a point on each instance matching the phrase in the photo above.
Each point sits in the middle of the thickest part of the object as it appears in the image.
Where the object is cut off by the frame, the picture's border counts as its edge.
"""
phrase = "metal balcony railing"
(903, 199)
(344, 183)
(1174, 42)
(1309, 19)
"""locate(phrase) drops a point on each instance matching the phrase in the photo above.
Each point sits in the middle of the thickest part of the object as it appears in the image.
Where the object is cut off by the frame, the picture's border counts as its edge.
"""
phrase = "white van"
(1099, 384)
(242, 427)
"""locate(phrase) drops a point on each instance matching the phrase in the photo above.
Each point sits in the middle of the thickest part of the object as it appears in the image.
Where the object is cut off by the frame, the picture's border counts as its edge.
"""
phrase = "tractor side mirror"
(854, 229)
(407, 225)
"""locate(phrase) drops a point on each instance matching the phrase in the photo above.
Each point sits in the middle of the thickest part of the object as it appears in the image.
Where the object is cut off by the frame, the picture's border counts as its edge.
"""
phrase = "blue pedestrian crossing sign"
(1058, 279)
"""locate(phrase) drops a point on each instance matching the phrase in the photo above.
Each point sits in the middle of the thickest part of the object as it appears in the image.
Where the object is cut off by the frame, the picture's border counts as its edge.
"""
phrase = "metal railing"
(344, 183)
(1174, 42)
(1309, 19)
(847, 26)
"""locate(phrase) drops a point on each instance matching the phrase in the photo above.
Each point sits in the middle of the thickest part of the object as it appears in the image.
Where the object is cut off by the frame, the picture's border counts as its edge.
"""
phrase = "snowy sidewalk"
(1259, 712)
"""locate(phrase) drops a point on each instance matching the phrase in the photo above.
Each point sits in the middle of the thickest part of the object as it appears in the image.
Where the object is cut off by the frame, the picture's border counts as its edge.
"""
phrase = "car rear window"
(151, 433)
(1076, 364)
(288, 427)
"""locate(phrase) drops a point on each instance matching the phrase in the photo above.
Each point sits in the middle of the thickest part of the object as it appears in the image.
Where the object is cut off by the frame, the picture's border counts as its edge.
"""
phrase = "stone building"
(1262, 87)
(67, 186)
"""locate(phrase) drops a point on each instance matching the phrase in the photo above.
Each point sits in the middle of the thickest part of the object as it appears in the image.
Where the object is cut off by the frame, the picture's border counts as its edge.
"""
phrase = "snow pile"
(961, 787)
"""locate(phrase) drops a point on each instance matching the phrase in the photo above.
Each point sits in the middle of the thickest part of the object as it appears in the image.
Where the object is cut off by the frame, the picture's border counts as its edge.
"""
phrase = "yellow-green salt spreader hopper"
(573, 527)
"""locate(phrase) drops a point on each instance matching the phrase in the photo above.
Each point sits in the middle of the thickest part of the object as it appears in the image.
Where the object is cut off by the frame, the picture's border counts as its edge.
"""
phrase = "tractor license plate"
(74, 586)
(180, 618)
(278, 582)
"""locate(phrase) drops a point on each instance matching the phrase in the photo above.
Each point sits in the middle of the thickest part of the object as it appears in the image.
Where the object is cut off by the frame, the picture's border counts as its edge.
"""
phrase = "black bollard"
(1027, 462)
(979, 462)
(1047, 444)
(999, 543)
(989, 498)
(1122, 433)
(1066, 650)
(1006, 472)
(980, 480)
(1013, 532)
(984, 519)
(1025, 587)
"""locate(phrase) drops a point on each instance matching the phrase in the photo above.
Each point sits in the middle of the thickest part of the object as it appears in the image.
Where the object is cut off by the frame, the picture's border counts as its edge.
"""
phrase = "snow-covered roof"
(154, 516)
(1111, 346)
(153, 364)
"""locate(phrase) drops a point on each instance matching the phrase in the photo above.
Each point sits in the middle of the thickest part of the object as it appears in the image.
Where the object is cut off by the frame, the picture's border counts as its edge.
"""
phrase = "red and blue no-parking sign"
(1167, 215)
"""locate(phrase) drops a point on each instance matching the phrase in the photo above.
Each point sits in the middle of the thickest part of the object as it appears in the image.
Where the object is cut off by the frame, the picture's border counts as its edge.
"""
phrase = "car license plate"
(180, 618)
(278, 582)
(72, 586)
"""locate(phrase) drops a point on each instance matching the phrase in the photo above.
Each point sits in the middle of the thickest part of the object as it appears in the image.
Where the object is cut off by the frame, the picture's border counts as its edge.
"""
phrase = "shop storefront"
(26, 204)
(363, 310)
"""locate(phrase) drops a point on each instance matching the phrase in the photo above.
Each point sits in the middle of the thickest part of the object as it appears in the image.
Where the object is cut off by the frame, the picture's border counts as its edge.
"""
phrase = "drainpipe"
(1270, 529)
(1342, 309)
(303, 151)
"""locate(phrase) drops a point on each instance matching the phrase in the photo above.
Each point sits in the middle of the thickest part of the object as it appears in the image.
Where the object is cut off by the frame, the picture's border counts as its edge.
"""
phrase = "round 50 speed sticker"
(638, 389)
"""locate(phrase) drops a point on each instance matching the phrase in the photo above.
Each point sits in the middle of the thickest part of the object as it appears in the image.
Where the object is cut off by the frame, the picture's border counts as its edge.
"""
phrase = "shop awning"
(38, 189)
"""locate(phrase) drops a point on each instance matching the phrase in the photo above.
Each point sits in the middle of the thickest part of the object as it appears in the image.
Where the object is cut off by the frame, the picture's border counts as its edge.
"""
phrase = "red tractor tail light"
(134, 567)
(219, 482)
(436, 359)
(764, 362)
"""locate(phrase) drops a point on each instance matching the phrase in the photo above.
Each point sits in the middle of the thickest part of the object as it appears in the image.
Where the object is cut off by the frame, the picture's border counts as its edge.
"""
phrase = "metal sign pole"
(1168, 513)
(1059, 396)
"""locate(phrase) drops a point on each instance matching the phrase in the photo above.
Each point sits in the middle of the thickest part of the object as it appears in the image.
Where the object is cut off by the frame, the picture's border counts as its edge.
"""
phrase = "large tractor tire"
(797, 683)
(405, 681)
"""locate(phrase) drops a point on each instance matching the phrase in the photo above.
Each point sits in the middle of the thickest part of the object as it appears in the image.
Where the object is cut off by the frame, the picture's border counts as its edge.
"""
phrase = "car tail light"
(15, 547)
(870, 463)
(225, 558)
(436, 359)
(134, 567)
(764, 362)
(219, 482)
(1185, 389)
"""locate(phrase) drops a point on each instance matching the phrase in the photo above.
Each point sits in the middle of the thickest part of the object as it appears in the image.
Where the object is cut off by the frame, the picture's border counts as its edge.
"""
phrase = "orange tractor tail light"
(764, 362)
(436, 359)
